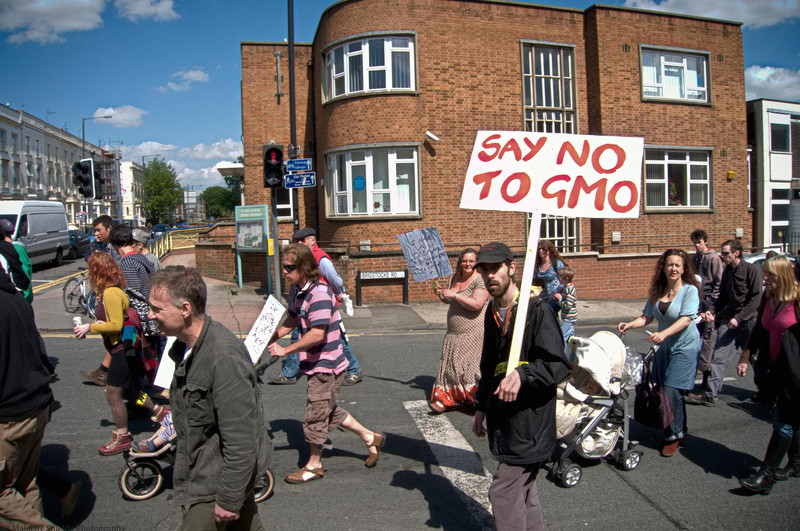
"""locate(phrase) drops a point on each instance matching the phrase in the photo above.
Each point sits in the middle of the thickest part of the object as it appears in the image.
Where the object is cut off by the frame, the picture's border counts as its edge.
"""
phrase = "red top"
(776, 325)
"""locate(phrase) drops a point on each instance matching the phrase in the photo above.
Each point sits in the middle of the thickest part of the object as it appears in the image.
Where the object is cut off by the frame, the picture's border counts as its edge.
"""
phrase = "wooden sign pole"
(524, 292)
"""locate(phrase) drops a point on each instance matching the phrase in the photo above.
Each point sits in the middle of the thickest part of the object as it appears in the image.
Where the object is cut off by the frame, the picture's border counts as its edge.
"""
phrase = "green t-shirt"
(26, 267)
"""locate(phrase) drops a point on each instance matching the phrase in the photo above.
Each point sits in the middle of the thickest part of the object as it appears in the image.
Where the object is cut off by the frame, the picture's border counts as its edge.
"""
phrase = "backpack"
(139, 303)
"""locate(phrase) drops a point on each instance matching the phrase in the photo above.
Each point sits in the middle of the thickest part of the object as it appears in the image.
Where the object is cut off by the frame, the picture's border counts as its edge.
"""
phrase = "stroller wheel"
(570, 475)
(630, 459)
(141, 480)
(262, 492)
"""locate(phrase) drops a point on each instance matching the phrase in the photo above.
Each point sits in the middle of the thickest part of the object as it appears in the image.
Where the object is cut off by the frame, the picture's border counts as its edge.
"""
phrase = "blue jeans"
(676, 430)
(291, 363)
(568, 330)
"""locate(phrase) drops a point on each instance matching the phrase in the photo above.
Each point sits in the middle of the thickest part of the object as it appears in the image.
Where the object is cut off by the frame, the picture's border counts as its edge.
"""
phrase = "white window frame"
(657, 183)
(542, 112)
(341, 202)
(284, 200)
(661, 61)
(350, 53)
(779, 224)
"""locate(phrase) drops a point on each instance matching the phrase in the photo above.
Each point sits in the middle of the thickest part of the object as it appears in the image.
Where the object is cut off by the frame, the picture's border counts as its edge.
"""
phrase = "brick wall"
(468, 66)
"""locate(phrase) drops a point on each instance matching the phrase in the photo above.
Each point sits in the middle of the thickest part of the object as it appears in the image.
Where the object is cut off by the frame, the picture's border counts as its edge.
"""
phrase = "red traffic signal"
(273, 165)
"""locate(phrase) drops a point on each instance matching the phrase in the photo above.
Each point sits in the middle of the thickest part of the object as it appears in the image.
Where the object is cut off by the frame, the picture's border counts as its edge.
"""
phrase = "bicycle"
(77, 297)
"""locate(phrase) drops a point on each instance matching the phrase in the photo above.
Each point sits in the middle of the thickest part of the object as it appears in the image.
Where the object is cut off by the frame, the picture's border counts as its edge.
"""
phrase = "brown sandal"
(377, 442)
(302, 475)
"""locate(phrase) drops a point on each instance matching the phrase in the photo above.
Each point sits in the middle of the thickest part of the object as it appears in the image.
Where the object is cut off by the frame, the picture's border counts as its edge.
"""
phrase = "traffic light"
(83, 177)
(99, 181)
(273, 165)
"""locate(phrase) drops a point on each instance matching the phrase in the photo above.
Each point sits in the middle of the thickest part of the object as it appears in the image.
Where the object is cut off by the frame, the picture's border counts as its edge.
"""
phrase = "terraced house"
(381, 75)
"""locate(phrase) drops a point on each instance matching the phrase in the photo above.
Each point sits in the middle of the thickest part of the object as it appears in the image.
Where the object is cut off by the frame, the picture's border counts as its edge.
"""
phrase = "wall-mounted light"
(731, 175)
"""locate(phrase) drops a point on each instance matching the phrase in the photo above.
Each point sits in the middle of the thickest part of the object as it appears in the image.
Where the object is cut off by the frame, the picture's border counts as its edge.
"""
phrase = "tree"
(219, 202)
(162, 192)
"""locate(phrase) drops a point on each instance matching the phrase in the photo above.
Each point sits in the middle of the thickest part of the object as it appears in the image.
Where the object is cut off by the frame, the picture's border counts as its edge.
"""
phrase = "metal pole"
(292, 119)
(119, 184)
(273, 223)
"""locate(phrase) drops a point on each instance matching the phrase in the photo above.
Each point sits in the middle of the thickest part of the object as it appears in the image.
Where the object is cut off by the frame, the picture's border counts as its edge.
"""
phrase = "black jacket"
(15, 271)
(24, 381)
(781, 378)
(523, 432)
(739, 293)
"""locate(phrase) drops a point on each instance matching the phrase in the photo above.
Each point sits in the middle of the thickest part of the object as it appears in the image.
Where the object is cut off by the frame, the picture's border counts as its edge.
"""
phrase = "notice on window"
(425, 254)
(565, 175)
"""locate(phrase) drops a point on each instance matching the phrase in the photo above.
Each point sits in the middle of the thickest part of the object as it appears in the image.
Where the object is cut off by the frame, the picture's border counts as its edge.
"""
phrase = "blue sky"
(168, 71)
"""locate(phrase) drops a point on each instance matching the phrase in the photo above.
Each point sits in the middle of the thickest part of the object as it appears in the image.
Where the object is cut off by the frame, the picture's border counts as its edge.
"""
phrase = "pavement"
(238, 308)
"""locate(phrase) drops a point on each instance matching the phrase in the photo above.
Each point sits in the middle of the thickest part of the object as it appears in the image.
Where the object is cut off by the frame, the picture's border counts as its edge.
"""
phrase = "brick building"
(380, 75)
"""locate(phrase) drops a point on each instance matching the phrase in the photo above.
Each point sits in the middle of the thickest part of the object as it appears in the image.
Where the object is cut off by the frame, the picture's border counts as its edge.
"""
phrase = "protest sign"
(549, 173)
(564, 175)
(262, 330)
(425, 254)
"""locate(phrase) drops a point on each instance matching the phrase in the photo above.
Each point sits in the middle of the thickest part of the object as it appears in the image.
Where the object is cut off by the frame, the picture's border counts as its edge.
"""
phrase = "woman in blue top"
(673, 301)
(546, 267)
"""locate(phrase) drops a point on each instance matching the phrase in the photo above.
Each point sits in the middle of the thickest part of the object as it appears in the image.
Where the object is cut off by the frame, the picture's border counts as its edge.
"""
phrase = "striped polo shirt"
(315, 305)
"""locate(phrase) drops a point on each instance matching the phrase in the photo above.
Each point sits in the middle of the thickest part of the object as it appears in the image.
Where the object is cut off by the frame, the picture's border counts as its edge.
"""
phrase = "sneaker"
(96, 376)
(352, 379)
(283, 380)
(700, 399)
(117, 444)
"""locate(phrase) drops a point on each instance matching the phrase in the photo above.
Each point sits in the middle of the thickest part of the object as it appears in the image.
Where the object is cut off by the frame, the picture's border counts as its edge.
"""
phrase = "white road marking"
(457, 459)
(725, 379)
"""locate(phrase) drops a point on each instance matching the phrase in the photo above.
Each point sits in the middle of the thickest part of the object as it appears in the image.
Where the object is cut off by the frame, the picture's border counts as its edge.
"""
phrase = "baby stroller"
(143, 476)
(593, 409)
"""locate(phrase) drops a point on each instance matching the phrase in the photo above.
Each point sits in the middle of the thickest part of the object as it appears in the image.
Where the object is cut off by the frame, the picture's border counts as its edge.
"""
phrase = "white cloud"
(149, 150)
(44, 21)
(186, 79)
(201, 178)
(754, 14)
(224, 148)
(122, 117)
(772, 83)
(135, 10)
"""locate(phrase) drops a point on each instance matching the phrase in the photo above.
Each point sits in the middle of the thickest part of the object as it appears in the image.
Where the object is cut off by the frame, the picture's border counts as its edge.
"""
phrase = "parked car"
(760, 258)
(78, 242)
(159, 229)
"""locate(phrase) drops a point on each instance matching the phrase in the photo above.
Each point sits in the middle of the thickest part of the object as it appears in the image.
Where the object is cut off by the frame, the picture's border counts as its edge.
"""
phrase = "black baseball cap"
(304, 233)
(494, 253)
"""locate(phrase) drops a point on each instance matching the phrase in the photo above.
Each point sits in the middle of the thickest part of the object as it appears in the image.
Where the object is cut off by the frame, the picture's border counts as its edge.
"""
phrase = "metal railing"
(175, 239)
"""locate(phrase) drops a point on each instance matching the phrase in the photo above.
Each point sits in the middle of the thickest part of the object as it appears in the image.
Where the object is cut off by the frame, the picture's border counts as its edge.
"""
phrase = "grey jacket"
(213, 399)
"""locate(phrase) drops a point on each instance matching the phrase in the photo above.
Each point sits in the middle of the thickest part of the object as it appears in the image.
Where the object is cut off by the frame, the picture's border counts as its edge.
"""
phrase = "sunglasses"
(724, 253)
(289, 268)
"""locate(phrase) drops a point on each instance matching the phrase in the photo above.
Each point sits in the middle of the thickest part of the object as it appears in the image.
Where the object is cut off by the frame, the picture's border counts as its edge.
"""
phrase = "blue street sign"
(298, 165)
(300, 180)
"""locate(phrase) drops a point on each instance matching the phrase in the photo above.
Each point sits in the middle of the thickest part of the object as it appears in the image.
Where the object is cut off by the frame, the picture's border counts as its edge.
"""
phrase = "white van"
(41, 226)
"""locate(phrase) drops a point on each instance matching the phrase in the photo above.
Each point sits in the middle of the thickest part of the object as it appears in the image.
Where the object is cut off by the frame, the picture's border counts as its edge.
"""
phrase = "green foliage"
(162, 192)
(219, 201)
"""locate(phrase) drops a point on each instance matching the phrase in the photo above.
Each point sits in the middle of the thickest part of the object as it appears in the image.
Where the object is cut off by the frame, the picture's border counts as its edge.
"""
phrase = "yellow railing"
(176, 239)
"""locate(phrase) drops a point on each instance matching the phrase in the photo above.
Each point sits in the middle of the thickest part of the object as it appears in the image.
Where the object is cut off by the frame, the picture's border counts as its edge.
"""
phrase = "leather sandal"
(304, 475)
(377, 442)
(438, 407)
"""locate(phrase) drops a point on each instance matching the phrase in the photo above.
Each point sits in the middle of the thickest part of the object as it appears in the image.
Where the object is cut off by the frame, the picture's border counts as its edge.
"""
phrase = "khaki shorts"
(322, 414)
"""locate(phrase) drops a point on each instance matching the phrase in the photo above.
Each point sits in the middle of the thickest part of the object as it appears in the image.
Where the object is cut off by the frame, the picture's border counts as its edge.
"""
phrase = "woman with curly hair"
(125, 369)
(673, 301)
(459, 368)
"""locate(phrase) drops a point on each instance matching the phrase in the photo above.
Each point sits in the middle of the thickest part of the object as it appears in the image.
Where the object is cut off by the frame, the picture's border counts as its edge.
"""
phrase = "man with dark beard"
(519, 409)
